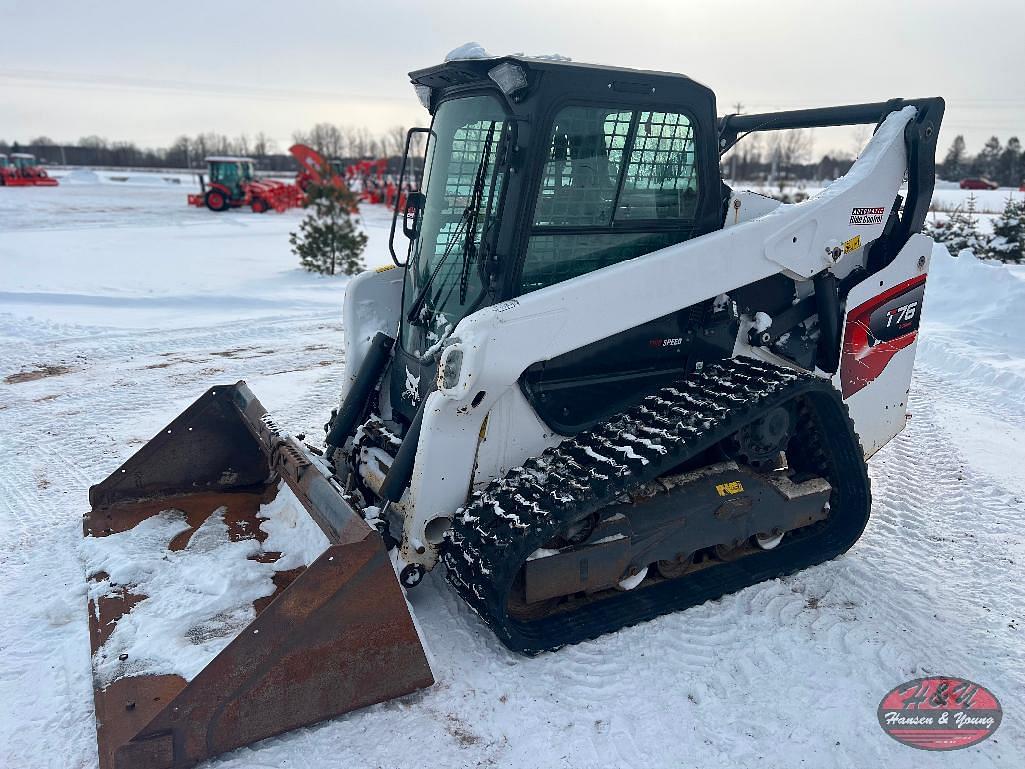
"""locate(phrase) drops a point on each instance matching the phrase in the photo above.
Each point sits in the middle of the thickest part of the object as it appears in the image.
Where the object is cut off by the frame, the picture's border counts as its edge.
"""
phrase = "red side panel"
(876, 330)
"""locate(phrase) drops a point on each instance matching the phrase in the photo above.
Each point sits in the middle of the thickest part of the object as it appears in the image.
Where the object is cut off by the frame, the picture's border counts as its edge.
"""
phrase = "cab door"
(617, 183)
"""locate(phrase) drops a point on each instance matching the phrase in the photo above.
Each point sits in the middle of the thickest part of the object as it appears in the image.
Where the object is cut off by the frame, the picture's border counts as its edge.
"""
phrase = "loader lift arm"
(919, 137)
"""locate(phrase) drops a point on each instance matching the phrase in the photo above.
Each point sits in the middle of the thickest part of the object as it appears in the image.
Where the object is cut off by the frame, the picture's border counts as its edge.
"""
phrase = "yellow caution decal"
(385, 268)
(852, 245)
(728, 489)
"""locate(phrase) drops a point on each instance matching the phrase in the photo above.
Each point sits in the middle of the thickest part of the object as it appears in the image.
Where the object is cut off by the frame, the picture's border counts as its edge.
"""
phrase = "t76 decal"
(876, 330)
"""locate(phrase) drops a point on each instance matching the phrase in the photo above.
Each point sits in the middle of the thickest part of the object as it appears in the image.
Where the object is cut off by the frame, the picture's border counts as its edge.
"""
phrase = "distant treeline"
(188, 152)
(784, 157)
(1004, 164)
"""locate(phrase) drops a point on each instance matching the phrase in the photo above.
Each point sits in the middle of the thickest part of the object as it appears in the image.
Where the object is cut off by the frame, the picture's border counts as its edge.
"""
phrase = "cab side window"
(617, 184)
(660, 181)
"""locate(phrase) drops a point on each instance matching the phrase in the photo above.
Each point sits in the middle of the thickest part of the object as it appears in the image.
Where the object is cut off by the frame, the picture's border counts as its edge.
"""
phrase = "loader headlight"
(423, 93)
(450, 367)
(509, 77)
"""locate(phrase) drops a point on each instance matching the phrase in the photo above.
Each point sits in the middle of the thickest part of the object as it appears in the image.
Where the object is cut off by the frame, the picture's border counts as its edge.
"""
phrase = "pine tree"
(1008, 242)
(954, 163)
(988, 160)
(1010, 164)
(328, 240)
(960, 232)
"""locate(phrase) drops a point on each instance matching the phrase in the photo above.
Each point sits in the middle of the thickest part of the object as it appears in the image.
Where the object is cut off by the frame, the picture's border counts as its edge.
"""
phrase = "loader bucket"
(297, 634)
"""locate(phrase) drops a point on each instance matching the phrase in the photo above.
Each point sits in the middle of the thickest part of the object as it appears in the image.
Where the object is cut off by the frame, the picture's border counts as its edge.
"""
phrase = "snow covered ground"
(119, 305)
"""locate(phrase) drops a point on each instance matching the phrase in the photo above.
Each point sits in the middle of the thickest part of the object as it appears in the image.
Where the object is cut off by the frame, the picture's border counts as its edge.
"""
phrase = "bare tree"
(362, 141)
(787, 150)
(395, 140)
(349, 140)
(263, 145)
(326, 139)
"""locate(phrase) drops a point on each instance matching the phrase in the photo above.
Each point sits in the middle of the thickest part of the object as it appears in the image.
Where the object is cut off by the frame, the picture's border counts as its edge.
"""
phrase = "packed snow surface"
(119, 305)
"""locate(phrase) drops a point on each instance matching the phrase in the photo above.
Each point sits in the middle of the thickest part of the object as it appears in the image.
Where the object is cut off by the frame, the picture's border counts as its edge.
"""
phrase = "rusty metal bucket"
(330, 637)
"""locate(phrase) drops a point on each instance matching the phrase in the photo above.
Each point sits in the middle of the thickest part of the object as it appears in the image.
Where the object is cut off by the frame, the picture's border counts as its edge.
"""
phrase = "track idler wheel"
(761, 441)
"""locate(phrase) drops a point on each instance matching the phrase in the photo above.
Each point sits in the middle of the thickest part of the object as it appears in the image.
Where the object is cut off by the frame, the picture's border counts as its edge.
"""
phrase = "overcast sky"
(148, 72)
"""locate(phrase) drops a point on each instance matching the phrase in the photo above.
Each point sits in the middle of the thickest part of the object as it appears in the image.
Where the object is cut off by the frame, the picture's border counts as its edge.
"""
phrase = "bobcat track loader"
(599, 385)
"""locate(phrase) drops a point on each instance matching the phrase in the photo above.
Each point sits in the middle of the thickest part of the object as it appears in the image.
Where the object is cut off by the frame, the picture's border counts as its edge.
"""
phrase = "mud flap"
(334, 636)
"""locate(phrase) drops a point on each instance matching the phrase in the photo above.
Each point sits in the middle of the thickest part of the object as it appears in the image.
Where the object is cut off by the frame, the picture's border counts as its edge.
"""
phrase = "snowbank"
(972, 312)
(80, 176)
(980, 296)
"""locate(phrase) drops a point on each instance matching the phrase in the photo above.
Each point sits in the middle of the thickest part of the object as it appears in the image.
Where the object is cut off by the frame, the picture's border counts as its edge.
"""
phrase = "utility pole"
(737, 107)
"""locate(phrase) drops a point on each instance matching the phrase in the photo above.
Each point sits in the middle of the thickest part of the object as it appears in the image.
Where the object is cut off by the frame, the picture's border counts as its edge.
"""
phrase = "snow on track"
(783, 674)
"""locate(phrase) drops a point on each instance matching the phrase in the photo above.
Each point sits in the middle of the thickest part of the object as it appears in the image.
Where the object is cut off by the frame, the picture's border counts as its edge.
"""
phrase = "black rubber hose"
(355, 403)
(827, 303)
(401, 470)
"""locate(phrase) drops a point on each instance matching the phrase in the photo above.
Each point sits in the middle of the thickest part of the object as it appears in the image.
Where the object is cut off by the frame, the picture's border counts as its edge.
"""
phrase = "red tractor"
(21, 170)
(233, 184)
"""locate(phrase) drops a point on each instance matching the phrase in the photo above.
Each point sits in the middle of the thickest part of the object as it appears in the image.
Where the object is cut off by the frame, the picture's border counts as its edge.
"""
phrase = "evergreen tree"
(1008, 243)
(1010, 167)
(988, 161)
(954, 163)
(960, 232)
(328, 240)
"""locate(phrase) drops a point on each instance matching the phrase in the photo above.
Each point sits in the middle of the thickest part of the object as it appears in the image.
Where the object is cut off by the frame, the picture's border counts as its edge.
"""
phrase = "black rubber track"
(512, 517)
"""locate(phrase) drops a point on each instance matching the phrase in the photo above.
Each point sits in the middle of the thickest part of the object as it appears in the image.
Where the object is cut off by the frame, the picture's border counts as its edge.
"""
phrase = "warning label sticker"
(867, 215)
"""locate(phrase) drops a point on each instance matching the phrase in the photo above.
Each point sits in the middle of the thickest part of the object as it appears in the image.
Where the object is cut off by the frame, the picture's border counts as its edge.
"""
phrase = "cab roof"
(228, 159)
(465, 71)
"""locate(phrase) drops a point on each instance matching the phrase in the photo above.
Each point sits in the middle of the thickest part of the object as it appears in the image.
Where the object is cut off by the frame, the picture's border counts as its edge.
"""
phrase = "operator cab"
(231, 172)
(4, 162)
(540, 171)
(23, 160)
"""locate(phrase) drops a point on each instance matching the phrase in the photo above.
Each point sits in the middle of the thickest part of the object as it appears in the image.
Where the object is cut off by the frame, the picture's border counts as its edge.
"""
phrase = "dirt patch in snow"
(460, 731)
(39, 372)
